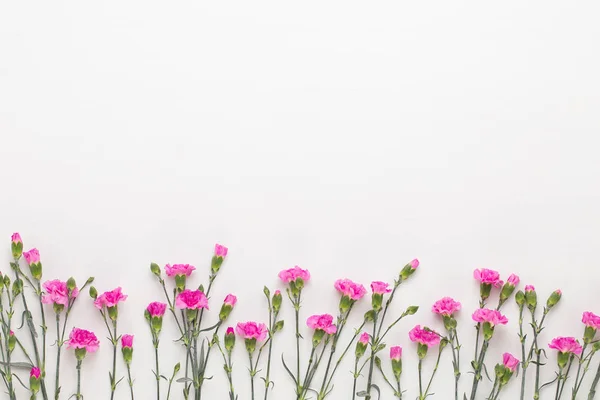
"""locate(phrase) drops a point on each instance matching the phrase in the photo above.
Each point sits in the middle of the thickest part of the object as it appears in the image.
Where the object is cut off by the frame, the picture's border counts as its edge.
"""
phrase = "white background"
(345, 137)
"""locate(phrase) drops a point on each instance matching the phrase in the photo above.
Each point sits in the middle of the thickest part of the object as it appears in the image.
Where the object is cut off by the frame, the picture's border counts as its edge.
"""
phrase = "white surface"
(343, 137)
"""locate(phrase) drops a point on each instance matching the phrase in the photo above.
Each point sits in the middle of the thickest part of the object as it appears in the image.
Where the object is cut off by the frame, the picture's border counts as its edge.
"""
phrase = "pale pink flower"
(396, 353)
(487, 276)
(513, 280)
(364, 338)
(220, 251)
(323, 322)
(127, 341)
(446, 306)
(191, 299)
(230, 300)
(558, 292)
(32, 256)
(16, 238)
(346, 287)
(510, 361)
(110, 298)
(590, 319)
(414, 264)
(82, 339)
(424, 336)
(277, 292)
(57, 292)
(529, 288)
(379, 287)
(35, 373)
(156, 309)
(252, 330)
(289, 275)
(566, 345)
(493, 317)
(179, 269)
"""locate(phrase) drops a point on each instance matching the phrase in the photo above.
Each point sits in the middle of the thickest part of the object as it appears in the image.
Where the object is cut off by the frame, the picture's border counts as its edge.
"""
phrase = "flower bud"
(229, 339)
(16, 246)
(34, 380)
(412, 310)
(520, 298)
(12, 341)
(71, 284)
(409, 269)
(530, 297)
(35, 265)
(6, 281)
(509, 287)
(276, 301)
(93, 293)
(127, 348)
(217, 260)
(370, 316)
(227, 306)
(278, 326)
(155, 269)
(554, 299)
(361, 345)
(396, 358)
(267, 292)
(596, 346)
(17, 287)
(176, 368)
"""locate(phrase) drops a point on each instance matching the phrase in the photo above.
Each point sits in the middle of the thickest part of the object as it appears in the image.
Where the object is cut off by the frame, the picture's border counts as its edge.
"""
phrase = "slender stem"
(252, 373)
(44, 329)
(420, 378)
(304, 384)
(374, 344)
(492, 393)
(437, 363)
(59, 347)
(130, 381)
(479, 367)
(272, 322)
(566, 376)
(592, 392)
(78, 396)
(355, 378)
(297, 312)
(580, 363)
(113, 385)
(524, 362)
(339, 361)
(556, 396)
(455, 346)
(399, 388)
(156, 342)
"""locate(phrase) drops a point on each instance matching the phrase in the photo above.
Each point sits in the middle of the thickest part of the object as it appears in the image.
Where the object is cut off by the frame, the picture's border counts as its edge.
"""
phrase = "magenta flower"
(229, 331)
(566, 345)
(493, 317)
(446, 306)
(513, 280)
(32, 256)
(590, 319)
(292, 274)
(529, 288)
(191, 299)
(323, 322)
(379, 287)
(82, 339)
(220, 251)
(510, 362)
(16, 238)
(127, 341)
(230, 300)
(35, 373)
(355, 291)
(156, 309)
(57, 292)
(396, 353)
(487, 276)
(364, 338)
(179, 269)
(426, 337)
(110, 298)
(252, 330)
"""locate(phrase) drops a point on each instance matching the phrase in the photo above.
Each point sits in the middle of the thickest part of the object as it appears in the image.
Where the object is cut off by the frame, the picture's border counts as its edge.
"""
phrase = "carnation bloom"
(487, 276)
(513, 280)
(510, 361)
(396, 353)
(590, 319)
(566, 345)
(127, 341)
(364, 338)
(32, 256)
(110, 298)
(35, 373)
(82, 339)
(446, 306)
(323, 322)
(229, 331)
(426, 337)
(355, 291)
(156, 309)
(191, 299)
(493, 317)
(379, 287)
(57, 292)
(179, 269)
(220, 251)
(414, 264)
(529, 288)
(230, 300)
(252, 330)
(289, 275)
(16, 238)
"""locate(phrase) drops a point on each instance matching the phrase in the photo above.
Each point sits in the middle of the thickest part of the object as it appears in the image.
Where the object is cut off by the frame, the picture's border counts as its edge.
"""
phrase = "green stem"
(580, 364)
(130, 381)
(479, 367)
(492, 393)
(297, 312)
(78, 396)
(524, 362)
(374, 344)
(420, 378)
(113, 385)
(44, 329)
(356, 378)
(156, 342)
(339, 361)
(437, 363)
(252, 373)
(592, 392)
(59, 347)
(272, 322)
(558, 379)
(566, 376)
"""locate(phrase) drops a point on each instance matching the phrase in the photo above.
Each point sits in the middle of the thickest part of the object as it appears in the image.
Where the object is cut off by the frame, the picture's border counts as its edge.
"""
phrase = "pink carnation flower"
(510, 361)
(57, 292)
(488, 276)
(35, 373)
(220, 251)
(179, 269)
(252, 330)
(446, 306)
(494, 317)
(289, 275)
(191, 299)
(82, 339)
(379, 287)
(323, 322)
(16, 238)
(230, 300)
(127, 341)
(424, 336)
(396, 353)
(110, 298)
(513, 280)
(590, 319)
(414, 264)
(529, 288)
(346, 287)
(566, 345)
(156, 309)
(229, 331)
(558, 292)
(32, 256)
(364, 338)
